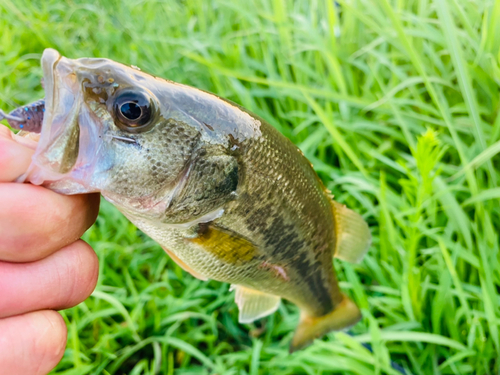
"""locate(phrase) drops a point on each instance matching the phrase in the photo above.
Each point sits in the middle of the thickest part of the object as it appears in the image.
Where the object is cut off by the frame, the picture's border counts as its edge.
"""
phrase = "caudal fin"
(345, 315)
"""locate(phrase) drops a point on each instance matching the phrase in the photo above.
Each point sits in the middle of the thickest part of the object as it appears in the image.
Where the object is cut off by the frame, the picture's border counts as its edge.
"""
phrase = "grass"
(396, 104)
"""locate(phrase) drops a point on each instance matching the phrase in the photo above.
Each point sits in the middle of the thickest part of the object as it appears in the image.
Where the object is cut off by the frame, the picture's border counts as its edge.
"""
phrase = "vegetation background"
(396, 103)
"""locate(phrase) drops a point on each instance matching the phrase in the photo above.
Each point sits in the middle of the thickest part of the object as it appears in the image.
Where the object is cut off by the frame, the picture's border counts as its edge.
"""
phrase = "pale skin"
(44, 266)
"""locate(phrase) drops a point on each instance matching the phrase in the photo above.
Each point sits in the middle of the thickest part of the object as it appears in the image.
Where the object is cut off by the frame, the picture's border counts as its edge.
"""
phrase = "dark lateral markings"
(286, 245)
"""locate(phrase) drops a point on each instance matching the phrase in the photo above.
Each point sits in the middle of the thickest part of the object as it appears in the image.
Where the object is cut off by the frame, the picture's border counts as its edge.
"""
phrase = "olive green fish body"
(282, 207)
(277, 223)
(224, 193)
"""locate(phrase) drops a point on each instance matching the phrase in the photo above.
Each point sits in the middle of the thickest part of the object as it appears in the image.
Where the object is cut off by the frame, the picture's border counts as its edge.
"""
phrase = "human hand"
(44, 266)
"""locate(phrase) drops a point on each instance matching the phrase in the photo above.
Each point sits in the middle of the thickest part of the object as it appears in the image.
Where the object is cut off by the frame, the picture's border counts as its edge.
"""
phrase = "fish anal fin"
(184, 266)
(353, 234)
(345, 315)
(253, 304)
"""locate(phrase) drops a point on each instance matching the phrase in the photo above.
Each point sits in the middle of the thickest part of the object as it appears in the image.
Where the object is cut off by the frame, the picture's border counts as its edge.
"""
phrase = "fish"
(224, 193)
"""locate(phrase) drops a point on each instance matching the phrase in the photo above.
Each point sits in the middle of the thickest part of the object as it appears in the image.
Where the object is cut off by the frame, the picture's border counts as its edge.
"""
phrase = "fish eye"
(133, 110)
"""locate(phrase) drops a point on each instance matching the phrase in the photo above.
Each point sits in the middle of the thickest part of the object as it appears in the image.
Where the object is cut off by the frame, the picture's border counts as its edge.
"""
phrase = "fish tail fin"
(353, 234)
(345, 315)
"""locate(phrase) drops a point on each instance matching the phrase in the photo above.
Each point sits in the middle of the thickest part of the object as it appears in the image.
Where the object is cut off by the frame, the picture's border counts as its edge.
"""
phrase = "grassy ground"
(396, 104)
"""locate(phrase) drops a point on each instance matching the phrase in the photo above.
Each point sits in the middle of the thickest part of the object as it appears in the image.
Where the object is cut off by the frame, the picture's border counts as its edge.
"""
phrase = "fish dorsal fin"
(352, 233)
(184, 266)
(253, 304)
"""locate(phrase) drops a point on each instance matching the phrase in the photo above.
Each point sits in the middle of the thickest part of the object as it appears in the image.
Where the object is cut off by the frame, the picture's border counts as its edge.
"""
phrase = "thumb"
(15, 154)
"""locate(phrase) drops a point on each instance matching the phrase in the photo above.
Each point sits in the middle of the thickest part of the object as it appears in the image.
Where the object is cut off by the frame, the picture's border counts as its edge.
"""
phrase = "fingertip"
(91, 206)
(80, 277)
(52, 335)
(59, 281)
(40, 221)
(15, 157)
(5, 131)
(32, 343)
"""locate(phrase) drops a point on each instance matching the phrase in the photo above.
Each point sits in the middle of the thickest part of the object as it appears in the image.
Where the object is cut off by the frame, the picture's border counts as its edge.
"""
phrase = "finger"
(15, 156)
(36, 221)
(57, 282)
(31, 344)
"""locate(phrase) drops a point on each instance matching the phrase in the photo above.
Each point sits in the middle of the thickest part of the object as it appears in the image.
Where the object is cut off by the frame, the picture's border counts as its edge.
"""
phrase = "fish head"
(113, 129)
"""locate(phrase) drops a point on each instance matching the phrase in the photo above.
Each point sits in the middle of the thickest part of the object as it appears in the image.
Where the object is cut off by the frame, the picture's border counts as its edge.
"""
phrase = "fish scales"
(267, 200)
(224, 193)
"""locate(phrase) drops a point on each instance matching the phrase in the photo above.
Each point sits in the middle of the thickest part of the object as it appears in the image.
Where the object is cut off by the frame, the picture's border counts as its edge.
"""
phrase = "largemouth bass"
(225, 194)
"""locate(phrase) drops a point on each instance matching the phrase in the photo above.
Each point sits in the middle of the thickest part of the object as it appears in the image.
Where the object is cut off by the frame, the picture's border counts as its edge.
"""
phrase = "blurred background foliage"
(396, 104)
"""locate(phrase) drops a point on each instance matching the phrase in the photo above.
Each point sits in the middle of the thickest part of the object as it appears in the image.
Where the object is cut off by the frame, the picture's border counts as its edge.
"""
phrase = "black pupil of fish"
(131, 110)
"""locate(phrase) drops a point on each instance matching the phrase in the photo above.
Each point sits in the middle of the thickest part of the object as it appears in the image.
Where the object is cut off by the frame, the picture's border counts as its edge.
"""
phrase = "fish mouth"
(62, 130)
(65, 157)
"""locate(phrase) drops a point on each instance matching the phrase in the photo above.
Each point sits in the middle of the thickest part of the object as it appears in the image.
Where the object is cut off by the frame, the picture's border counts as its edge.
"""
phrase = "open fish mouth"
(66, 155)
(57, 115)
(58, 148)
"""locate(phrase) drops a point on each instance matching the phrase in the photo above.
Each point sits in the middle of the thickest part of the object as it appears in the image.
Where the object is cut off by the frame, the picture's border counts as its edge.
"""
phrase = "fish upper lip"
(50, 58)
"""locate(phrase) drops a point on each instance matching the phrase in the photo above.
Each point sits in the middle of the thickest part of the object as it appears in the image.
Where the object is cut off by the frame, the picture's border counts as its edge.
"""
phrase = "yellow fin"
(184, 266)
(227, 246)
(353, 234)
(253, 304)
(345, 315)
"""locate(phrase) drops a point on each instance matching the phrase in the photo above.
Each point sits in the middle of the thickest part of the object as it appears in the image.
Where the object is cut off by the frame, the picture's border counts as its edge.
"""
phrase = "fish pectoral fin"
(353, 234)
(253, 304)
(184, 266)
(225, 245)
(345, 315)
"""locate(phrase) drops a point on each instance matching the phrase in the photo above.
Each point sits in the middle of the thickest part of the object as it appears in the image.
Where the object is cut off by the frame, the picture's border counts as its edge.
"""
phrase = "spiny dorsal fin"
(253, 304)
(353, 234)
